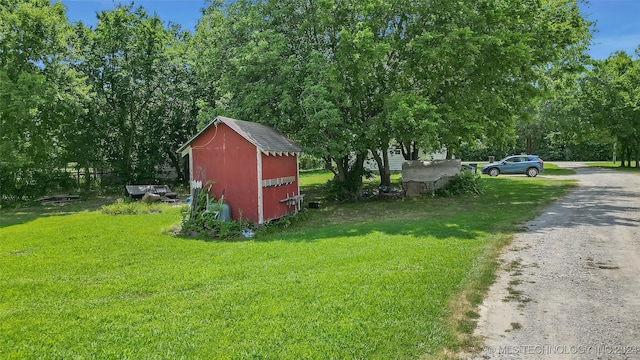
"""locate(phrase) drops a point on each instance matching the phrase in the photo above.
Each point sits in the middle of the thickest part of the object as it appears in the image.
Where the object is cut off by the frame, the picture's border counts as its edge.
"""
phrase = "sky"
(186, 13)
(617, 22)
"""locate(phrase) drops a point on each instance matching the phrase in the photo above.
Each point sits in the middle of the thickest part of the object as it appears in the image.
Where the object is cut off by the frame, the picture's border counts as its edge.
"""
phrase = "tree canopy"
(345, 78)
(39, 94)
(610, 100)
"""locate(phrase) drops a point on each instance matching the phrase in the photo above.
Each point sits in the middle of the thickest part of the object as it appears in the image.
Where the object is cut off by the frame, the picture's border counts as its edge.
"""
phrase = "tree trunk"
(328, 165)
(449, 154)
(383, 166)
(87, 178)
(625, 159)
(175, 162)
(410, 151)
(385, 179)
(415, 153)
(348, 178)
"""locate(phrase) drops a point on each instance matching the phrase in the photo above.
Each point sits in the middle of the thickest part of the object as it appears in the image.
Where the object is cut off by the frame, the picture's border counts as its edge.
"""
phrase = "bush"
(348, 190)
(127, 207)
(208, 225)
(200, 222)
(310, 162)
(464, 182)
(19, 183)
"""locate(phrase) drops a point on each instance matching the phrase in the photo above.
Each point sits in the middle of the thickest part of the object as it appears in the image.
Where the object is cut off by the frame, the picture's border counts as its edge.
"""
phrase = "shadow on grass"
(506, 205)
(431, 229)
(17, 216)
(614, 166)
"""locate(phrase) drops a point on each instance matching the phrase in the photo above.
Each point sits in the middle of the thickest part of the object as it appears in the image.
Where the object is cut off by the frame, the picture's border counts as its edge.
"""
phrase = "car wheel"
(494, 172)
(532, 172)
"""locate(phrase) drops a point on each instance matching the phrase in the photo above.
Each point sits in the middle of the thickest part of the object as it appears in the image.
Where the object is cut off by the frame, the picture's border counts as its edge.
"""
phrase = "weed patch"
(463, 183)
(126, 207)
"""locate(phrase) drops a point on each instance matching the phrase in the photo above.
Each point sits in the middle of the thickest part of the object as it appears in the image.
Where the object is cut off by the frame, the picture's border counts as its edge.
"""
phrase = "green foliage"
(346, 78)
(341, 78)
(207, 224)
(18, 183)
(200, 221)
(310, 162)
(128, 207)
(463, 183)
(143, 104)
(282, 224)
(40, 95)
(610, 101)
(584, 150)
(348, 189)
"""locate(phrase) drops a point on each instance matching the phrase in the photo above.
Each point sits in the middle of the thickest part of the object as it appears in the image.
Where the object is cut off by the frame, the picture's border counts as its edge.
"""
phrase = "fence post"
(196, 188)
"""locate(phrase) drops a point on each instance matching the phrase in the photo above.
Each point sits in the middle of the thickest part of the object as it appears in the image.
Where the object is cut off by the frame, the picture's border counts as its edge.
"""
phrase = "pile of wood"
(58, 200)
(151, 193)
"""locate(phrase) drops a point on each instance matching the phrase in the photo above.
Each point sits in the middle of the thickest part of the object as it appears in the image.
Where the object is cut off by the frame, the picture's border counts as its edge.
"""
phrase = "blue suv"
(530, 165)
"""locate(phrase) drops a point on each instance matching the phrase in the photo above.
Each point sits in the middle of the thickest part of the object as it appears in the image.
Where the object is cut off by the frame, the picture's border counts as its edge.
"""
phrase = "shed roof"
(265, 138)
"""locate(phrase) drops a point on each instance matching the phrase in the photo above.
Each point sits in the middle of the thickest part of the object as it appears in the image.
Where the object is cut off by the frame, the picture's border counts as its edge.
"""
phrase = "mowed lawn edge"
(376, 279)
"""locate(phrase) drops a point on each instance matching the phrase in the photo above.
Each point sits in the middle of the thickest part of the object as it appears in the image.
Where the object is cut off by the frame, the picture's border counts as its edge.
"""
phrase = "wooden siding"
(278, 168)
(221, 155)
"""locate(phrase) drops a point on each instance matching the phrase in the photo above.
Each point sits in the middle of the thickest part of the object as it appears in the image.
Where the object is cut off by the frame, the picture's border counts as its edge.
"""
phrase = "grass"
(27, 214)
(553, 169)
(615, 166)
(313, 183)
(377, 279)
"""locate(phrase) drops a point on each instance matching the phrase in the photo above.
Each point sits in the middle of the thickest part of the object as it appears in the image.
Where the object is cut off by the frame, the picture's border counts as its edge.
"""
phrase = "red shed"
(256, 166)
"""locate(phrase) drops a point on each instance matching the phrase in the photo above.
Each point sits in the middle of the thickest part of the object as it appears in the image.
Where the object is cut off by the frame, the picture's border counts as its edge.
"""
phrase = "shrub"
(348, 190)
(464, 182)
(22, 182)
(127, 207)
(310, 162)
(199, 221)
(208, 225)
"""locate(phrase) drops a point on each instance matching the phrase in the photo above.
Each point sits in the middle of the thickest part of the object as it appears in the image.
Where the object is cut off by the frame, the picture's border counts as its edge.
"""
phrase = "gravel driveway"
(569, 287)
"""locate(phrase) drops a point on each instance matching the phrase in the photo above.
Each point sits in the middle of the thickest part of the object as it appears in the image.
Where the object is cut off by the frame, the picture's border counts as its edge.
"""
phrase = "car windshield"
(517, 159)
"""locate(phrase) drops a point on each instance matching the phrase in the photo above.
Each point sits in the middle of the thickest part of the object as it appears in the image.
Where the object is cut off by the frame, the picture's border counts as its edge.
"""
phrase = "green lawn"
(375, 280)
(553, 169)
(616, 166)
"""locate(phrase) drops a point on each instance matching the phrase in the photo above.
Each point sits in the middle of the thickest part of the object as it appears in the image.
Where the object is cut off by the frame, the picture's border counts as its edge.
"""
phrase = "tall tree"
(291, 64)
(479, 63)
(39, 94)
(344, 77)
(143, 106)
(611, 95)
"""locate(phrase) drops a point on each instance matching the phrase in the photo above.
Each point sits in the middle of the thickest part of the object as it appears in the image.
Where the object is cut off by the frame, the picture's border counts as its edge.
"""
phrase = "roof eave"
(187, 144)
